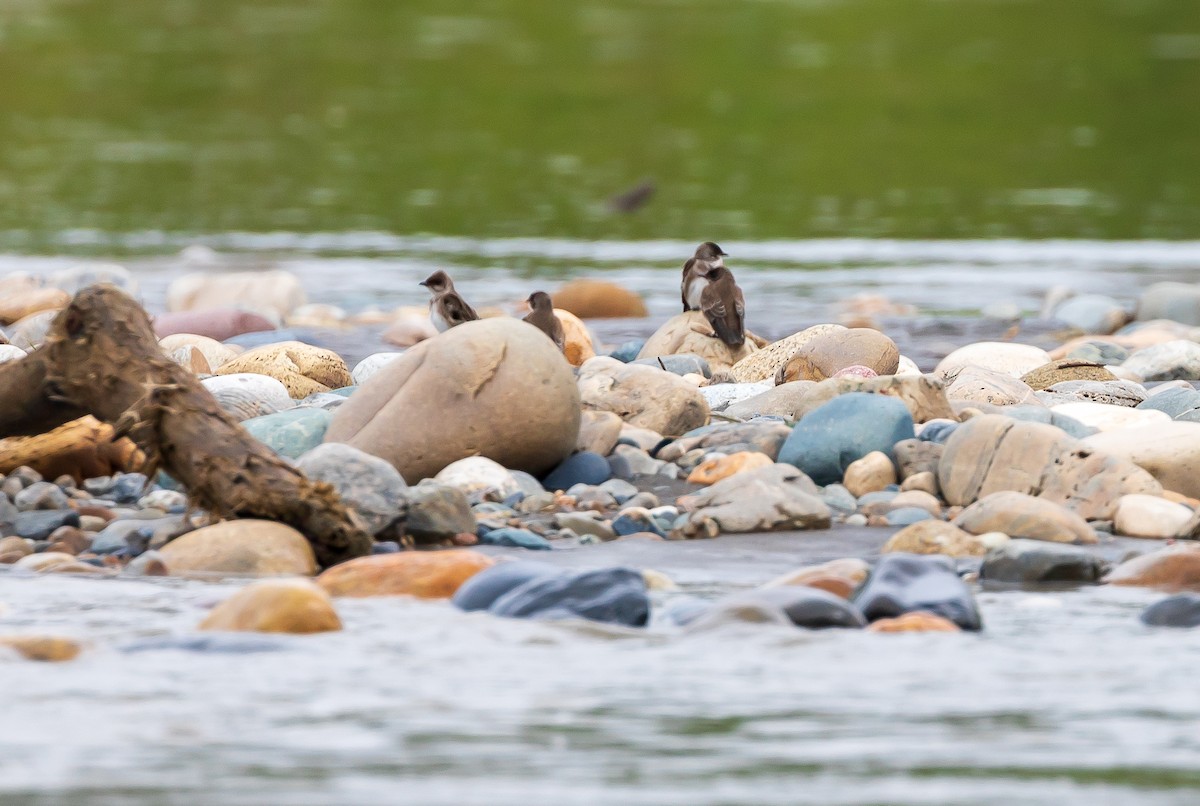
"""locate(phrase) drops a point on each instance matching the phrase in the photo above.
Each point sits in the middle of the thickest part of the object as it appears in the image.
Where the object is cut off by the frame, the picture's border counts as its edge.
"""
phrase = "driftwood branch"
(101, 358)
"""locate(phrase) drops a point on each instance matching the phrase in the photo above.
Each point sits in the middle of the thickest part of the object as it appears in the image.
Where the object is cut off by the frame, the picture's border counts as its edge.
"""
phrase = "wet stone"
(611, 595)
(516, 538)
(127, 488)
(484, 588)
(580, 468)
(436, 512)
(1181, 610)
(903, 583)
(41, 495)
(799, 605)
(368, 484)
(1030, 562)
(39, 524)
(844, 430)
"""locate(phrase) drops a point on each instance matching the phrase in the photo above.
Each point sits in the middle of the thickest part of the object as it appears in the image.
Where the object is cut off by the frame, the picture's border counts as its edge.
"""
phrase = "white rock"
(478, 473)
(977, 385)
(274, 294)
(1107, 417)
(995, 356)
(1168, 451)
(722, 395)
(370, 365)
(908, 367)
(247, 394)
(1149, 516)
(82, 275)
(1166, 362)
(10, 352)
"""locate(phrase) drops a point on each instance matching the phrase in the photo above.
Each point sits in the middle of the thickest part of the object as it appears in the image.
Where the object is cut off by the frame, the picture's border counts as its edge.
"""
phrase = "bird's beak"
(423, 283)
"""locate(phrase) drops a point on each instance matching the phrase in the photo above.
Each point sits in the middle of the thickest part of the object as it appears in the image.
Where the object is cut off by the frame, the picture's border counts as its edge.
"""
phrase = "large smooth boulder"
(1170, 451)
(826, 354)
(1020, 515)
(764, 363)
(773, 498)
(599, 299)
(1004, 357)
(642, 396)
(367, 484)
(843, 430)
(495, 387)
(218, 324)
(690, 334)
(904, 583)
(276, 293)
(423, 574)
(302, 369)
(243, 547)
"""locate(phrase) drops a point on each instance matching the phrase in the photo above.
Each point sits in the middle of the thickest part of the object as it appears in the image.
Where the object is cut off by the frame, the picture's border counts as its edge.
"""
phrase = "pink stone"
(216, 323)
(856, 371)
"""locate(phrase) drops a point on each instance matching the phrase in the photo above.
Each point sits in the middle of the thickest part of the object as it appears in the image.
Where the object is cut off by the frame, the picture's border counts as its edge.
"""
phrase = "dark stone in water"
(1036, 561)
(805, 607)
(610, 595)
(628, 351)
(681, 364)
(39, 523)
(385, 547)
(481, 590)
(227, 643)
(1181, 610)
(902, 583)
(586, 467)
(631, 523)
(517, 538)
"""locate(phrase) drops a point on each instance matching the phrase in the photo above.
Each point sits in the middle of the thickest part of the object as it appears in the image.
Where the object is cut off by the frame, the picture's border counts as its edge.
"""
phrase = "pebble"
(481, 590)
(1150, 516)
(436, 512)
(517, 538)
(1182, 610)
(290, 433)
(799, 605)
(39, 524)
(245, 547)
(869, 474)
(579, 468)
(777, 497)
(367, 484)
(39, 496)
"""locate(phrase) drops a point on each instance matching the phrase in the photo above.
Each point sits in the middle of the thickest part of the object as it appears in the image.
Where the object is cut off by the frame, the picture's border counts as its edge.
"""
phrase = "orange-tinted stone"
(424, 574)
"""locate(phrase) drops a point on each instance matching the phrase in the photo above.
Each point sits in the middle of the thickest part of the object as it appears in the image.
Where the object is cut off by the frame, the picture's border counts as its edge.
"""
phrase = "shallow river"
(1064, 697)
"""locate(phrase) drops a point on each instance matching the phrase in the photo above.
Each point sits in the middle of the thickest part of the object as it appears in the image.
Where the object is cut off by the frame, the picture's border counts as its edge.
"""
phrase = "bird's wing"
(457, 310)
(683, 282)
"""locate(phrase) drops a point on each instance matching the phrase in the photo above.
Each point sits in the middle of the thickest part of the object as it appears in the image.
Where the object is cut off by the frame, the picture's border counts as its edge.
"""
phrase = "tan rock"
(214, 352)
(409, 327)
(496, 388)
(1065, 369)
(869, 474)
(825, 354)
(1168, 451)
(301, 368)
(424, 574)
(786, 400)
(276, 606)
(977, 385)
(241, 547)
(599, 432)
(690, 333)
(851, 569)
(191, 359)
(935, 537)
(17, 306)
(1107, 417)
(1020, 515)
(599, 299)
(917, 621)
(924, 395)
(274, 293)
(925, 481)
(918, 499)
(316, 314)
(12, 544)
(642, 395)
(56, 562)
(578, 344)
(713, 470)
(915, 456)
(996, 356)
(41, 647)
(1173, 568)
(763, 364)
(1149, 516)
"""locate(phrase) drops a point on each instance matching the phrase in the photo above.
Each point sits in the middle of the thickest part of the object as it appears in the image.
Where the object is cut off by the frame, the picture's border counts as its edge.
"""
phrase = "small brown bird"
(695, 273)
(542, 317)
(724, 307)
(446, 308)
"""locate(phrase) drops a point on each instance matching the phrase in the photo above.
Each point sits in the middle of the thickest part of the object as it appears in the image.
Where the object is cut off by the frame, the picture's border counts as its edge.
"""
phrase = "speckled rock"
(249, 395)
(978, 385)
(690, 333)
(825, 354)
(301, 368)
(1113, 393)
(367, 484)
(1065, 369)
(764, 363)
(935, 537)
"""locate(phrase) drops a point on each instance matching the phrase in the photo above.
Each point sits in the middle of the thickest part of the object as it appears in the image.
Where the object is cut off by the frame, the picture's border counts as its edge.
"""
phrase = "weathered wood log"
(83, 449)
(101, 357)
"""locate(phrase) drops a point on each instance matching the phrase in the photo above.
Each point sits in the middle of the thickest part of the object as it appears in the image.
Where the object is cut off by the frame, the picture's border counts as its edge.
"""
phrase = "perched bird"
(542, 317)
(695, 273)
(446, 308)
(724, 307)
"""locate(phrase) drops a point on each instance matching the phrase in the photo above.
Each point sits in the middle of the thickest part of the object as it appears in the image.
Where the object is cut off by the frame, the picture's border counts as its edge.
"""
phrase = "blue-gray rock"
(37, 524)
(585, 467)
(385, 547)
(127, 488)
(839, 499)
(132, 537)
(628, 462)
(680, 364)
(527, 483)
(1098, 352)
(515, 538)
(290, 433)
(8, 514)
(906, 516)
(1178, 404)
(41, 495)
(1179, 302)
(937, 431)
(99, 485)
(1181, 610)
(628, 351)
(1168, 361)
(903, 583)
(610, 595)
(344, 391)
(800, 605)
(1031, 562)
(435, 512)
(633, 522)
(484, 588)
(371, 486)
(1092, 313)
(232, 643)
(844, 430)
(619, 489)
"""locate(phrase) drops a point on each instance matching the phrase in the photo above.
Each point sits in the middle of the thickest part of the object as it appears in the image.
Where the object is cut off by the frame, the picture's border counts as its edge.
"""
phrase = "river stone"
(301, 368)
(803, 606)
(1173, 568)
(763, 364)
(579, 468)
(244, 547)
(924, 395)
(1114, 393)
(46, 648)
(720, 396)
(1020, 515)
(1092, 313)
(871, 473)
(1104, 417)
(1166, 362)
(935, 537)
(1065, 369)
(215, 353)
(611, 595)
(773, 498)
(598, 432)
(367, 484)
(1032, 562)
(846, 428)
(1181, 610)
(1178, 404)
(275, 293)
(249, 395)
(515, 538)
(642, 396)
(216, 324)
(408, 327)
(41, 495)
(435, 512)
(16, 306)
(1179, 302)
(690, 333)
(424, 574)
(785, 400)
(916, 456)
(30, 332)
(678, 364)
(599, 299)
(713, 470)
(39, 524)
(477, 475)
(275, 605)
(825, 354)
(10, 353)
(1006, 358)
(578, 344)
(494, 387)
(481, 590)
(1170, 451)
(1097, 352)
(904, 583)
(764, 436)
(290, 433)
(979, 385)
(836, 576)
(56, 562)
(992, 453)
(916, 621)
(370, 365)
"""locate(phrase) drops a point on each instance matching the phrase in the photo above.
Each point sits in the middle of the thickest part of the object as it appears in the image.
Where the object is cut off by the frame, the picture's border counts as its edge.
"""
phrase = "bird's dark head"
(437, 282)
(540, 301)
(710, 252)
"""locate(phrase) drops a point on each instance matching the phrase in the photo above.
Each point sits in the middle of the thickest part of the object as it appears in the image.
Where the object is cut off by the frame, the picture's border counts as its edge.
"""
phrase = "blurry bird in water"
(633, 199)
(541, 316)
(708, 256)
(446, 308)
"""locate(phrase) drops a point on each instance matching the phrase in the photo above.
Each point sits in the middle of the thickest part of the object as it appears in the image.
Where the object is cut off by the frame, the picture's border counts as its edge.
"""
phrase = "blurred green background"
(753, 118)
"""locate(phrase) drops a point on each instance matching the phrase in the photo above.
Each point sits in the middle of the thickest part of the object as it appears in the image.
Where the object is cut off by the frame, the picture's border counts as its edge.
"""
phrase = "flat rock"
(1031, 562)
(786, 400)
(1065, 369)
(773, 498)
(642, 396)
(1020, 515)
